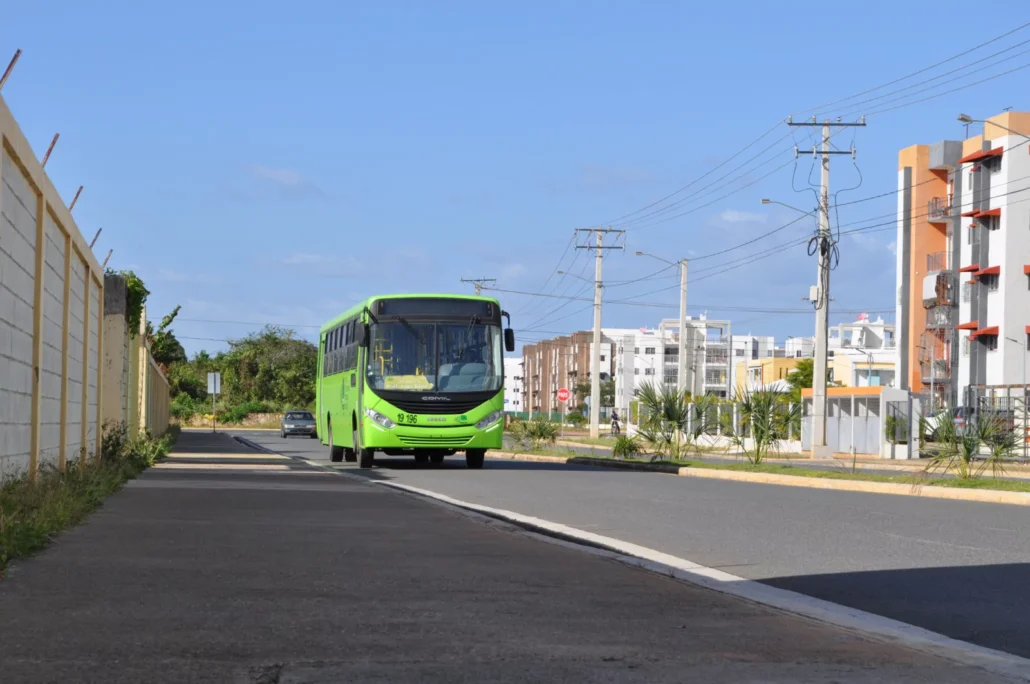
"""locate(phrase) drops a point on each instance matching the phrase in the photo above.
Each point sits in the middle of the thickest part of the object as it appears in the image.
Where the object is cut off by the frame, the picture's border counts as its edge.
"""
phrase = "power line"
(839, 101)
(916, 73)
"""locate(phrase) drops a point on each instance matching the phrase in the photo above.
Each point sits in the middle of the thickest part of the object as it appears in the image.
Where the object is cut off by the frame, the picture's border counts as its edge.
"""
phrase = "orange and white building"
(963, 251)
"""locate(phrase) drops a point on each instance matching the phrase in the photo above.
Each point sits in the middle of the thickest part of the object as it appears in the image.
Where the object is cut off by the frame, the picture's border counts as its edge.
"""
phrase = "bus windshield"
(435, 356)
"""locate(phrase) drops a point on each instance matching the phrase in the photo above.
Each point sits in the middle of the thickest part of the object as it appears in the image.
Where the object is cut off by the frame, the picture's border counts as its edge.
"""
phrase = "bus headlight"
(489, 420)
(380, 419)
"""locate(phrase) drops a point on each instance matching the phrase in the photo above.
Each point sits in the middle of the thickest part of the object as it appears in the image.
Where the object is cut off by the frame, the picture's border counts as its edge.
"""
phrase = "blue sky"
(264, 162)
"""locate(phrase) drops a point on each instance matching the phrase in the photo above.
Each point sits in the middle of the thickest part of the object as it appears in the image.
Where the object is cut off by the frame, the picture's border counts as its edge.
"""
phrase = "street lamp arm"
(966, 119)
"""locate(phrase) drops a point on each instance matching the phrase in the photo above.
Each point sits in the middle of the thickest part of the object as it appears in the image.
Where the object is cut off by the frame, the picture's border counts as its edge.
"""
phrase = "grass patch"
(591, 441)
(33, 513)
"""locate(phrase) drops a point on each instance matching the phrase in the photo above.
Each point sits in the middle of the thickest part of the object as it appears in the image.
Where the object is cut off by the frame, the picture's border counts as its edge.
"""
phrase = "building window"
(649, 371)
(965, 346)
(991, 342)
(738, 352)
(649, 350)
(636, 350)
(991, 281)
(636, 371)
(602, 357)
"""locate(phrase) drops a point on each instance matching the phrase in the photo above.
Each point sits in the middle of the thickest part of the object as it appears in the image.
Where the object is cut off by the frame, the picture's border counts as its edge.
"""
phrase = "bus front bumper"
(457, 438)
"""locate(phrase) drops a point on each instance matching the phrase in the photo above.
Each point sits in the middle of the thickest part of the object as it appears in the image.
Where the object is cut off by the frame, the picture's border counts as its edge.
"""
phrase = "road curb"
(992, 496)
(825, 612)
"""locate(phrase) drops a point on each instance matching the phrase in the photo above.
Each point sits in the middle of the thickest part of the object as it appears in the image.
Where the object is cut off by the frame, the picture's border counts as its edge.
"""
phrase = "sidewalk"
(224, 565)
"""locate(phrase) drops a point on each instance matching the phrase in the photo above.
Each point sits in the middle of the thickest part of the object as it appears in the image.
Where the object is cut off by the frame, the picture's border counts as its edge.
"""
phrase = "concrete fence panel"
(51, 291)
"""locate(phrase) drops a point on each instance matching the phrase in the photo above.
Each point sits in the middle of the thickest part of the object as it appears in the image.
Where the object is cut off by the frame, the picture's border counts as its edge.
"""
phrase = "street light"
(681, 367)
(766, 200)
(966, 119)
(565, 273)
(1023, 349)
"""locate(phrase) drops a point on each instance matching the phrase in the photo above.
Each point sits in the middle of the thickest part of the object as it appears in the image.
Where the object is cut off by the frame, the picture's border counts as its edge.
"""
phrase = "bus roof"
(357, 308)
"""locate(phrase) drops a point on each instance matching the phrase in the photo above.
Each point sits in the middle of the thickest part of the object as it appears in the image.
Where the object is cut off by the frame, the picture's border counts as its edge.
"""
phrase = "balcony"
(940, 318)
(939, 371)
(939, 209)
(937, 261)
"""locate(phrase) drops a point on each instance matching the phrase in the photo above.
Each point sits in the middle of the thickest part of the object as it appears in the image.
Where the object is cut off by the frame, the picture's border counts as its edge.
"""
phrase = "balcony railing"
(938, 208)
(940, 317)
(938, 261)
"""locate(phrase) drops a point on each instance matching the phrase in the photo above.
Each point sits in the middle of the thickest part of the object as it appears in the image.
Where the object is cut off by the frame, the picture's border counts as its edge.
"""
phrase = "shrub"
(534, 433)
(577, 419)
(33, 512)
(184, 407)
(626, 447)
(235, 414)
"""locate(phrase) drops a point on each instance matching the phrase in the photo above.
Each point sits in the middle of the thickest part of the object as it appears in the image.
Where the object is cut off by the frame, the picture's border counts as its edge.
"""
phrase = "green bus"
(415, 374)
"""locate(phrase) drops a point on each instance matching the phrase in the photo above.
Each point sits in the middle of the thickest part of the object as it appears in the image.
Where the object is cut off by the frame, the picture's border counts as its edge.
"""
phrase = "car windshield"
(299, 415)
(435, 357)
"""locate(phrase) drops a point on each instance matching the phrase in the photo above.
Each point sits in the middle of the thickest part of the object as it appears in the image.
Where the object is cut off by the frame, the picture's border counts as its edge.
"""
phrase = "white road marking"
(875, 626)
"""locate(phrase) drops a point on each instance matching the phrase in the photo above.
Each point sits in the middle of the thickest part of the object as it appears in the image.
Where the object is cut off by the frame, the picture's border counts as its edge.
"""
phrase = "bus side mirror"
(509, 340)
(362, 335)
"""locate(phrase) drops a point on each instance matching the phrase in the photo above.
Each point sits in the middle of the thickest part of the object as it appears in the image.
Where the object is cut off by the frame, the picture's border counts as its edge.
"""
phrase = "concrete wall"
(135, 389)
(50, 318)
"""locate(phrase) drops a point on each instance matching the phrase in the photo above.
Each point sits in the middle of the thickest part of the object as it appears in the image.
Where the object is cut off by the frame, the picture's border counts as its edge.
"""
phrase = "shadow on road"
(982, 604)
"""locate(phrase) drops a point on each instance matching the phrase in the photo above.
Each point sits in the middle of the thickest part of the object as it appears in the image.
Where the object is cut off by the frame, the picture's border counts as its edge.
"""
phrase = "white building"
(513, 384)
(652, 355)
(861, 354)
(963, 252)
(994, 262)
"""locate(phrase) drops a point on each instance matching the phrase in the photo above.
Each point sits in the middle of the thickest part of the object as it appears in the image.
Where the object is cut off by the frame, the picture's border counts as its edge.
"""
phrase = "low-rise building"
(652, 355)
(561, 362)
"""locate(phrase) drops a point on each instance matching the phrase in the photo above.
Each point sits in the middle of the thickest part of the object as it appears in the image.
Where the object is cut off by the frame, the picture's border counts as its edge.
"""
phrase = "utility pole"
(595, 372)
(820, 294)
(478, 283)
(681, 369)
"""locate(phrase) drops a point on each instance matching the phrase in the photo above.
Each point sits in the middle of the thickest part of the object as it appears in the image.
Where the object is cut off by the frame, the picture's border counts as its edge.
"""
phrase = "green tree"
(164, 346)
(272, 366)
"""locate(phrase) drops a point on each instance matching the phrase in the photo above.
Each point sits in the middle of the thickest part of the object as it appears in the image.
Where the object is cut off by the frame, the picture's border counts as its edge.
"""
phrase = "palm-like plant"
(663, 419)
(960, 454)
(768, 420)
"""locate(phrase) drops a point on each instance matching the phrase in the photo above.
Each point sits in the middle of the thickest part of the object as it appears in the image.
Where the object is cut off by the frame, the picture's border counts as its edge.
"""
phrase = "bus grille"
(426, 441)
(453, 407)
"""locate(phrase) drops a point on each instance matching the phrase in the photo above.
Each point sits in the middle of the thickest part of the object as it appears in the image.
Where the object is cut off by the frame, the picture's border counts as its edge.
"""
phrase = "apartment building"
(964, 262)
(565, 361)
(652, 355)
(513, 384)
(861, 354)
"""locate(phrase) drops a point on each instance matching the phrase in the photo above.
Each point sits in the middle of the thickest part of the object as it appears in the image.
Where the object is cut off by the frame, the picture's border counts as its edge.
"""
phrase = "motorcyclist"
(615, 421)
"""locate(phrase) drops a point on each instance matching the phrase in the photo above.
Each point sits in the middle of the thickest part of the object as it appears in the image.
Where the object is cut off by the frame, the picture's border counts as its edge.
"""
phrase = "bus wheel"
(436, 458)
(366, 457)
(351, 455)
(335, 452)
(474, 458)
(421, 458)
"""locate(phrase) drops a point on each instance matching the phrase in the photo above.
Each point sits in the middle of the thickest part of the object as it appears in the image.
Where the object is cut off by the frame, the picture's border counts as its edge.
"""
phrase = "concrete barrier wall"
(51, 293)
(136, 391)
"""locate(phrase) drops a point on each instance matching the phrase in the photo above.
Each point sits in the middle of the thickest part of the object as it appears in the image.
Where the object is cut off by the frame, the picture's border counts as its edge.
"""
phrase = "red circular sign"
(563, 394)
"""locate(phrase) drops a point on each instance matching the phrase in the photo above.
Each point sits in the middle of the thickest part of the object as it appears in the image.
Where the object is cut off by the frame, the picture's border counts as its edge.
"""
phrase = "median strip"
(1010, 492)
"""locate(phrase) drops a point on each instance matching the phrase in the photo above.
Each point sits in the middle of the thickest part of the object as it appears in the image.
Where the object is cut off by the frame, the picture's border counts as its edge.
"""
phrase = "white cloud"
(288, 181)
(287, 177)
(893, 247)
(734, 216)
(512, 271)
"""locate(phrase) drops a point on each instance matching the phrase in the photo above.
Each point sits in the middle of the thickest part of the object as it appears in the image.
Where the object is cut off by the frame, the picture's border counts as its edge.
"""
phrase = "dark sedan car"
(298, 423)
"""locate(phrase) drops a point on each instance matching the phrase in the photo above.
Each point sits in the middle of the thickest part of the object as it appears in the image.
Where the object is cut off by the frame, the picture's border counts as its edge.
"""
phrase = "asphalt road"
(226, 566)
(956, 568)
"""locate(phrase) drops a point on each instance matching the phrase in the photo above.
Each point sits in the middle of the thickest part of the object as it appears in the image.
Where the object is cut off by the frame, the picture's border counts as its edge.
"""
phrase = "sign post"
(214, 387)
(563, 397)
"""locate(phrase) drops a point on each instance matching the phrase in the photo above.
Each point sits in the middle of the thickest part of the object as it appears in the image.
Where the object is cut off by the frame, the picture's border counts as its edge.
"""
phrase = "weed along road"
(224, 565)
(953, 567)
